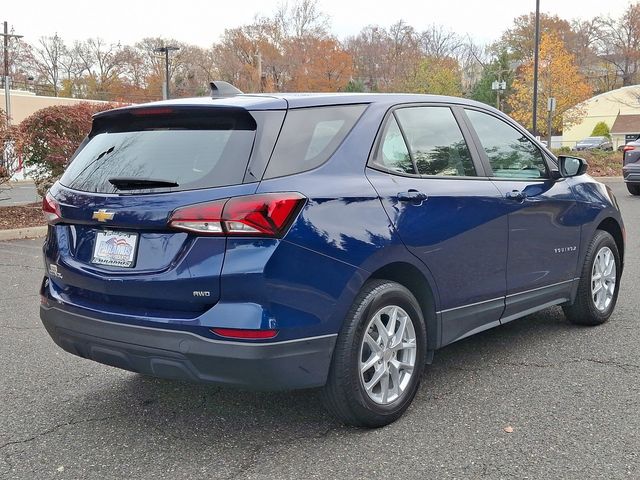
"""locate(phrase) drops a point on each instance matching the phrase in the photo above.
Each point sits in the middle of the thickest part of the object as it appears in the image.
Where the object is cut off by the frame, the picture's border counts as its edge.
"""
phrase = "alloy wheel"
(387, 355)
(603, 279)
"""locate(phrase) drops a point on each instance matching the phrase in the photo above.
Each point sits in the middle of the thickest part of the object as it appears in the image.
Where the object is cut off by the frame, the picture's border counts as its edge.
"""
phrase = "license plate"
(116, 249)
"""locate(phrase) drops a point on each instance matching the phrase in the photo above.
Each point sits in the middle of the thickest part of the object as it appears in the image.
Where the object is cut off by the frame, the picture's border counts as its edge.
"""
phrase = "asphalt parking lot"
(570, 394)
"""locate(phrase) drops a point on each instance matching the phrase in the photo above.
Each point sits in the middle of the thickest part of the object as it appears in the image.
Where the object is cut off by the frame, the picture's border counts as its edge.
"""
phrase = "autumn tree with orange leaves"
(320, 65)
(559, 78)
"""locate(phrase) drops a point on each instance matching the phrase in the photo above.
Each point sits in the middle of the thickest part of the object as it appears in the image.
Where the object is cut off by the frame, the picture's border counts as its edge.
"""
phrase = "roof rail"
(220, 88)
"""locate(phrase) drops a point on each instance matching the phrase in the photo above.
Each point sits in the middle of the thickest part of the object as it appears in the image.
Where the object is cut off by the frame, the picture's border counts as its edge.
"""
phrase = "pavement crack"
(16, 265)
(527, 364)
(54, 429)
(10, 327)
(256, 451)
(613, 363)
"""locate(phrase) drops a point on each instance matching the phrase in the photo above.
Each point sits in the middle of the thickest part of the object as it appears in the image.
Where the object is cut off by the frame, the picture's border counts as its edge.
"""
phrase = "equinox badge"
(102, 215)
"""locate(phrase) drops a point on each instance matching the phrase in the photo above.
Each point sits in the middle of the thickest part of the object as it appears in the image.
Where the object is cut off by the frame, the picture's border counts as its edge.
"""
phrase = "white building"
(619, 109)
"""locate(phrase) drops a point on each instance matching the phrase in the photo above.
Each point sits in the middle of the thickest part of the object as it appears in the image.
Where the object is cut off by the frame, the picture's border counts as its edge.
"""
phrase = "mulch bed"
(21, 216)
(607, 170)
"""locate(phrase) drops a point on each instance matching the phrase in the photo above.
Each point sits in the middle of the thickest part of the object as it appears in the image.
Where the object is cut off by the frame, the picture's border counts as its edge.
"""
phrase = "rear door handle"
(516, 195)
(412, 196)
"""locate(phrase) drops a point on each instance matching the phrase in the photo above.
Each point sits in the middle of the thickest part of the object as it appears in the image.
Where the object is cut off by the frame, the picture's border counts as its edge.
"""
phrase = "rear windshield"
(185, 155)
(310, 136)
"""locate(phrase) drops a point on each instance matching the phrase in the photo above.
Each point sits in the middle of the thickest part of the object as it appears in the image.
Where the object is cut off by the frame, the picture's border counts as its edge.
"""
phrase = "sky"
(202, 22)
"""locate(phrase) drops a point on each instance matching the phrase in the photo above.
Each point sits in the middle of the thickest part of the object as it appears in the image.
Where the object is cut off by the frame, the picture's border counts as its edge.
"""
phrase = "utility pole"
(7, 87)
(498, 86)
(536, 50)
(259, 62)
(166, 49)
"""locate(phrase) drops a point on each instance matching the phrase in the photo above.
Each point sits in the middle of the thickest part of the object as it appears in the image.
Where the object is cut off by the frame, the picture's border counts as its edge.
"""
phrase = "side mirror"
(572, 166)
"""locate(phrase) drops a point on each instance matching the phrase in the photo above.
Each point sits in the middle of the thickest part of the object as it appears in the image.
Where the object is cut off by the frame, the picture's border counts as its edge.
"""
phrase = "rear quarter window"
(309, 137)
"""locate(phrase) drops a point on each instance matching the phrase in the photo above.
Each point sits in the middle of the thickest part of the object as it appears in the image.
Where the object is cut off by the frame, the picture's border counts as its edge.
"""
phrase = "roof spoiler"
(220, 88)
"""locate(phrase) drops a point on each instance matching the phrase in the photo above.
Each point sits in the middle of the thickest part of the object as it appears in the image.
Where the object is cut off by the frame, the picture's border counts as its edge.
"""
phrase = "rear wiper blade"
(132, 183)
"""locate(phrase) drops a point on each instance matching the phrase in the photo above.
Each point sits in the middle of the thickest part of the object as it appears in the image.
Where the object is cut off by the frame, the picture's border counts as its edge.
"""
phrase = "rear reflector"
(244, 333)
(265, 215)
(51, 209)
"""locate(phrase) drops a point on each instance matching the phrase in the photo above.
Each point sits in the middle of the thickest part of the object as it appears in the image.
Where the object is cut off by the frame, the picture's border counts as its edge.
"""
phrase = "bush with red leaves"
(48, 139)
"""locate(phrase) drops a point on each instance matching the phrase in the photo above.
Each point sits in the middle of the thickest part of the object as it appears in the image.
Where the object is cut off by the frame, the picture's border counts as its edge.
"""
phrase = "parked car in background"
(594, 143)
(284, 241)
(631, 166)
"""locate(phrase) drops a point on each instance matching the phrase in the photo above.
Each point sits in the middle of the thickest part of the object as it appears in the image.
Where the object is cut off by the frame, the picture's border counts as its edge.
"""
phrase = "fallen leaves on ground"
(21, 216)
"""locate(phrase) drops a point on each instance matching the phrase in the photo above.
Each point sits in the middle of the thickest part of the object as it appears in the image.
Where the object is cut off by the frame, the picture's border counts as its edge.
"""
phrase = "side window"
(393, 153)
(435, 141)
(310, 136)
(511, 154)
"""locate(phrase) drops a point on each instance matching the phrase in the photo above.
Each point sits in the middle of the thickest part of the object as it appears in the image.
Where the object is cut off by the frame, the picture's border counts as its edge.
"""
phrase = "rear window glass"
(309, 137)
(215, 154)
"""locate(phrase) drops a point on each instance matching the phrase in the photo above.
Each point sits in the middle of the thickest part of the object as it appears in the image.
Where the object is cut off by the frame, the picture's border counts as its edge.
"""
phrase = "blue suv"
(317, 240)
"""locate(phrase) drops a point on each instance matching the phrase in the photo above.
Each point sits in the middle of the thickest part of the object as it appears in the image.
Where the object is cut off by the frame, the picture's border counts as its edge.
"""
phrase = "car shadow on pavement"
(198, 414)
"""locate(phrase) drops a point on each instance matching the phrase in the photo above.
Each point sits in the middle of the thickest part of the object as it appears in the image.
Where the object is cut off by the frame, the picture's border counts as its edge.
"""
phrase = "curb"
(20, 233)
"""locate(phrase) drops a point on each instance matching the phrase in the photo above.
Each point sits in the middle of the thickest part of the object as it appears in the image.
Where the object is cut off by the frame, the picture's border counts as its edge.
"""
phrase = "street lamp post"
(536, 49)
(166, 49)
(7, 83)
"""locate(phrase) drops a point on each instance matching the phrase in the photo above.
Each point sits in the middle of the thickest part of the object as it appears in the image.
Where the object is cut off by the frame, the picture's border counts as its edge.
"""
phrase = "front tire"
(378, 358)
(599, 282)
(634, 188)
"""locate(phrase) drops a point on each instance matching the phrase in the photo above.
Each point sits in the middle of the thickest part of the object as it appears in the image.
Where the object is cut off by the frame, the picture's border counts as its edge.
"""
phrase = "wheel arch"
(611, 226)
(413, 279)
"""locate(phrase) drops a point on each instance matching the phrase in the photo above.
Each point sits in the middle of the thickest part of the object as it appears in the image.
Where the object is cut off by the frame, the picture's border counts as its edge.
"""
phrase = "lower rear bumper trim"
(292, 364)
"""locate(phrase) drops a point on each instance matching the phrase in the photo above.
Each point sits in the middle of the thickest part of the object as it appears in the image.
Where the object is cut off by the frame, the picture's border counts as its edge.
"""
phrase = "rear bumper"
(631, 173)
(302, 363)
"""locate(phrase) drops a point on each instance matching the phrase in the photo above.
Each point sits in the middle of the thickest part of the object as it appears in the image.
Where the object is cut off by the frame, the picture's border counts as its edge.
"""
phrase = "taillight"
(199, 218)
(51, 209)
(267, 214)
(628, 148)
(245, 334)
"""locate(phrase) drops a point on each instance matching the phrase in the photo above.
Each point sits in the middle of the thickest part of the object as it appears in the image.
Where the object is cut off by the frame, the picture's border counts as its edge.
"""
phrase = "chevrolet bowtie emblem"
(102, 215)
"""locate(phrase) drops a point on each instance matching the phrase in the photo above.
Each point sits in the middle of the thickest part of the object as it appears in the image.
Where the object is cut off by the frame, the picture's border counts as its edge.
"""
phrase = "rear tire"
(599, 283)
(374, 375)
(634, 188)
